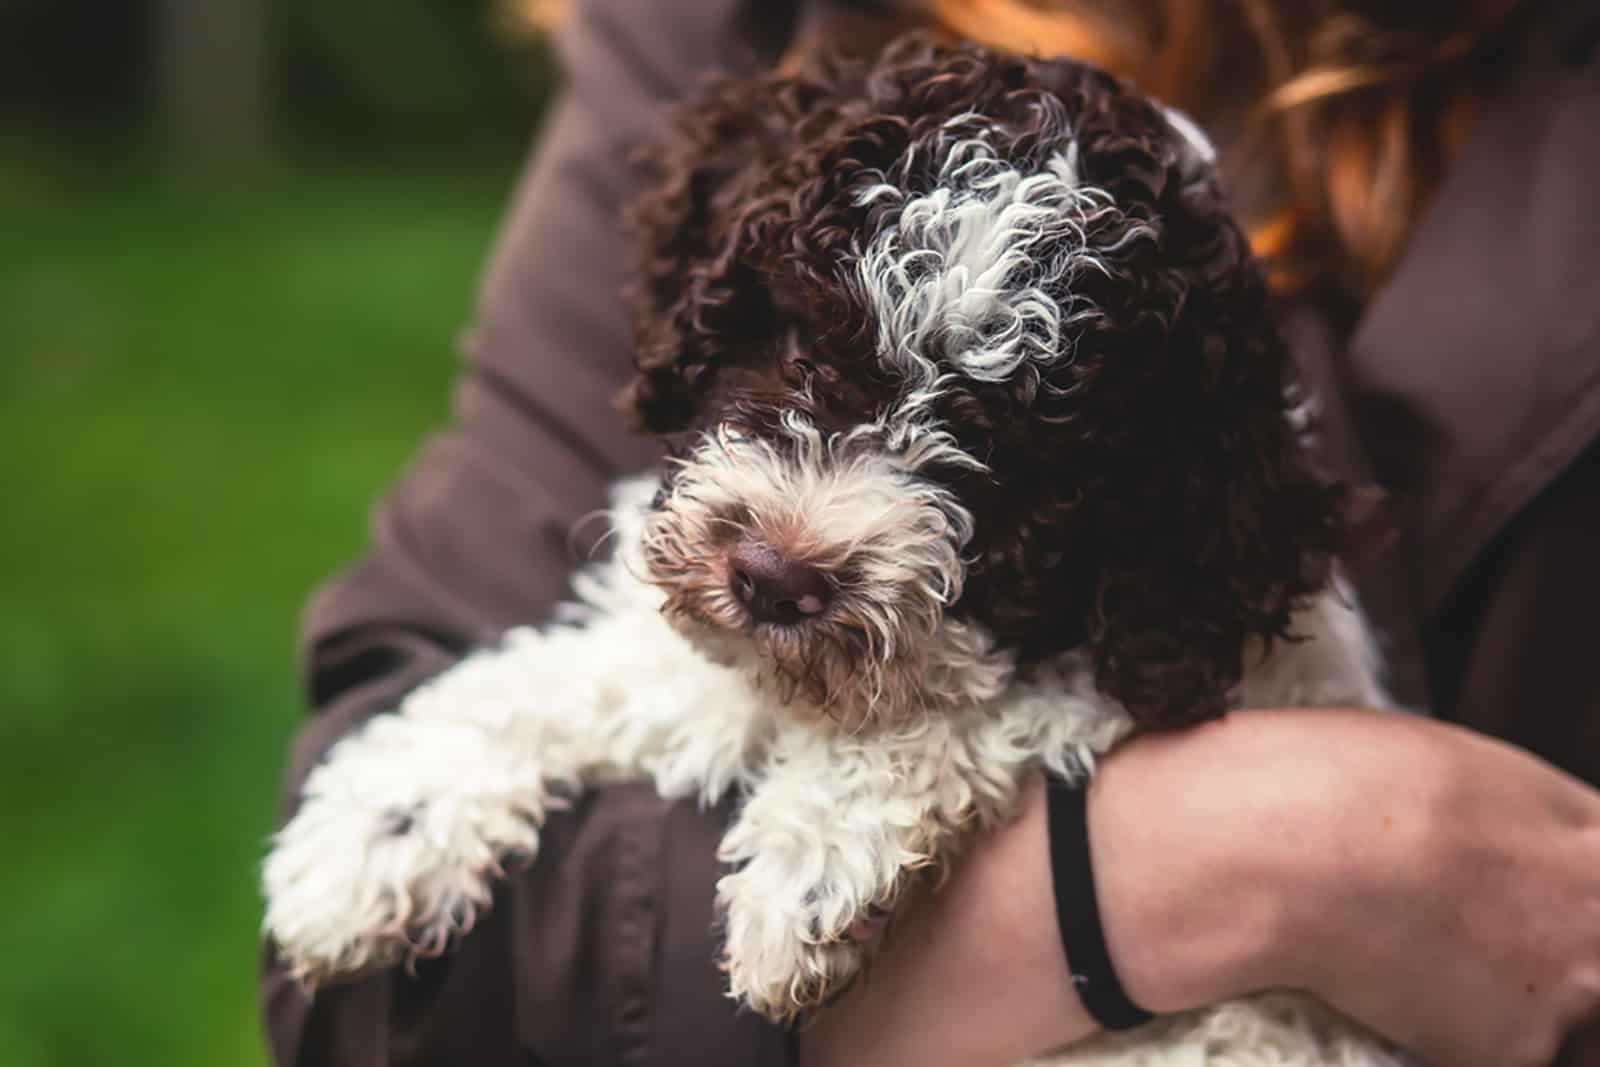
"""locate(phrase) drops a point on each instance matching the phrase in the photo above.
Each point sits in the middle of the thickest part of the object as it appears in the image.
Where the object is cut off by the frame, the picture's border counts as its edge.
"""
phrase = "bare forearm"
(975, 973)
(1433, 884)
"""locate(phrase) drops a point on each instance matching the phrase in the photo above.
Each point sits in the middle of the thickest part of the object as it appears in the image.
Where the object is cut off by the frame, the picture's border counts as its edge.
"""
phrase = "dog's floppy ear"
(687, 285)
(740, 171)
(706, 230)
(1245, 527)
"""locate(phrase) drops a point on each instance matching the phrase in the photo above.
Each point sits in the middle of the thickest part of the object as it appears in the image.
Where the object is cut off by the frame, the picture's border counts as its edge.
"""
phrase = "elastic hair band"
(1078, 911)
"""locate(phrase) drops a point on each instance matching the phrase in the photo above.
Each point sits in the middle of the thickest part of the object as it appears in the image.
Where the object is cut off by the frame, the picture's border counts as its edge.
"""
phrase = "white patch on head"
(976, 276)
(1191, 132)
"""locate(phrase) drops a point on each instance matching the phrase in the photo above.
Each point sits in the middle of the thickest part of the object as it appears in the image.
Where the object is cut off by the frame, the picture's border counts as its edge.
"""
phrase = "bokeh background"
(238, 241)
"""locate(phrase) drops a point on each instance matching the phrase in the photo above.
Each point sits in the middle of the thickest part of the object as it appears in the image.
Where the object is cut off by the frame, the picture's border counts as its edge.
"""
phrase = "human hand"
(1416, 876)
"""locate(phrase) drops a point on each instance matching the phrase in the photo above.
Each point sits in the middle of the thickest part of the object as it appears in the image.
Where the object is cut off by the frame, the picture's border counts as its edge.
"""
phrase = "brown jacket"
(1471, 389)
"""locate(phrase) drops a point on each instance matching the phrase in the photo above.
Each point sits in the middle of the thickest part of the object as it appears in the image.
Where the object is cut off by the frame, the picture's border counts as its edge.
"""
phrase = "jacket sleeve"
(590, 948)
(1512, 651)
(600, 953)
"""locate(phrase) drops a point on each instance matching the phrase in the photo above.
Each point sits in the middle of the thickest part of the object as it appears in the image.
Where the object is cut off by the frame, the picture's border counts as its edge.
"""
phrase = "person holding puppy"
(1415, 177)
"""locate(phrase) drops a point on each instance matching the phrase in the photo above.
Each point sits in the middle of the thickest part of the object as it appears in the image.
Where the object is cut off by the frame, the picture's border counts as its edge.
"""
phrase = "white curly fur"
(405, 826)
(841, 493)
(857, 500)
(976, 275)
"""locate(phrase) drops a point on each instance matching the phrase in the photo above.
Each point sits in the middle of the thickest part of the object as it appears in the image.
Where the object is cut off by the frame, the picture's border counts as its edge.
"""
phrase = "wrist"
(1195, 907)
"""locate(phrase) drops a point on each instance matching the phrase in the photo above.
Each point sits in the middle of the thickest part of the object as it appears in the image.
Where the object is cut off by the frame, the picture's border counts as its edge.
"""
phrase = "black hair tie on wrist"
(1078, 911)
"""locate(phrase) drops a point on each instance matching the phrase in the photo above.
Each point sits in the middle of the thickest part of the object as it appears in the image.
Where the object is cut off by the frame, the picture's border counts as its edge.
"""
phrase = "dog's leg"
(402, 828)
(825, 841)
(839, 826)
(406, 824)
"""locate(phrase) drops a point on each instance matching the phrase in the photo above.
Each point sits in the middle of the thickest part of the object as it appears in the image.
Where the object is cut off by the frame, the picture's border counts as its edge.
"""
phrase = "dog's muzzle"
(826, 563)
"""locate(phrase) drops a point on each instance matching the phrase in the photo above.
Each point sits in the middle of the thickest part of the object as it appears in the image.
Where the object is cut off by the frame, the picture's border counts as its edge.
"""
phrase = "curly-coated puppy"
(981, 459)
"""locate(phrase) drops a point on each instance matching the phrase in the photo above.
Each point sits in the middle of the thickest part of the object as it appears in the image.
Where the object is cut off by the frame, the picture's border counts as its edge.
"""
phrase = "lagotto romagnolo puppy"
(982, 458)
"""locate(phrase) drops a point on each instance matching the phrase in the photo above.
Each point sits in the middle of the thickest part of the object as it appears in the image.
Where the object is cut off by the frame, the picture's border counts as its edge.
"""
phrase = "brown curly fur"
(1146, 496)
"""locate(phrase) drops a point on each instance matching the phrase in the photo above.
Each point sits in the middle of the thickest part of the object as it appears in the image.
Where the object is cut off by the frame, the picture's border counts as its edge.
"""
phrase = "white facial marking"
(977, 274)
(857, 506)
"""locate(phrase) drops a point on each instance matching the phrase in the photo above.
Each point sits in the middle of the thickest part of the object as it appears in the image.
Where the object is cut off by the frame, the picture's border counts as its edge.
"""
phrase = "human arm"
(1373, 859)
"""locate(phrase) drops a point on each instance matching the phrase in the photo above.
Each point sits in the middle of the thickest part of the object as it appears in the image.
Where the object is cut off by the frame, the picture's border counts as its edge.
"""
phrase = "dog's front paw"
(354, 891)
(791, 949)
(388, 861)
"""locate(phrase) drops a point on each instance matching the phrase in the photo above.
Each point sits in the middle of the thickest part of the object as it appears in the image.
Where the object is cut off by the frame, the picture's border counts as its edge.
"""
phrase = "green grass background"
(203, 388)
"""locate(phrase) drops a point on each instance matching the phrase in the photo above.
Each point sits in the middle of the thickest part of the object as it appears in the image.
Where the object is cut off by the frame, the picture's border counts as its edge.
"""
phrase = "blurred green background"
(238, 240)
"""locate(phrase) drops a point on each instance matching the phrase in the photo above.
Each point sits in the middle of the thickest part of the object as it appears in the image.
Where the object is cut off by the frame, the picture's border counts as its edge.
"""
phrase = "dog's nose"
(774, 588)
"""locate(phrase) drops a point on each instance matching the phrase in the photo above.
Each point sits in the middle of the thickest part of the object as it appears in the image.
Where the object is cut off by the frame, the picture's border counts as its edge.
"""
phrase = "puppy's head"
(964, 364)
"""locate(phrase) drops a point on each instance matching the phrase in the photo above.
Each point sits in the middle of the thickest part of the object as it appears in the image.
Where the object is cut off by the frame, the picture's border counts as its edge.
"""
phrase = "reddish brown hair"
(1353, 108)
